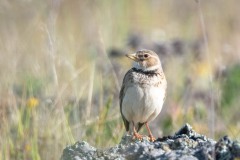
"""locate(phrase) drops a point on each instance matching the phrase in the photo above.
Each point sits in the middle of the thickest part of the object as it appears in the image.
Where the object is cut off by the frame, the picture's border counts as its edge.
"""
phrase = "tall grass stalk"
(90, 92)
(206, 45)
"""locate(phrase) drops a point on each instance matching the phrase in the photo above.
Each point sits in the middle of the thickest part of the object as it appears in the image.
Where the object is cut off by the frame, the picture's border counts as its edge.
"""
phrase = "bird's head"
(145, 60)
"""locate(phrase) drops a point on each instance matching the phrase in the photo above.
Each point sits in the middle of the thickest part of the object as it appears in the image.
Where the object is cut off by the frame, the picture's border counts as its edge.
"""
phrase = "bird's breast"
(141, 102)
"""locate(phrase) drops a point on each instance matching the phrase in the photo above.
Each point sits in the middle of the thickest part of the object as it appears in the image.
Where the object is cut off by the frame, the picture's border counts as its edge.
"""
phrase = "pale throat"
(146, 68)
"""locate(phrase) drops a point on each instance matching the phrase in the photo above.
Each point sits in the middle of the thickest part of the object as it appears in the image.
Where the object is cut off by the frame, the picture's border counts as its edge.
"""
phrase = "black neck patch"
(152, 72)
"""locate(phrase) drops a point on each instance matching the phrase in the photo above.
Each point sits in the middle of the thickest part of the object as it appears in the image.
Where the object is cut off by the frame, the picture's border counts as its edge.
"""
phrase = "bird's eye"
(145, 55)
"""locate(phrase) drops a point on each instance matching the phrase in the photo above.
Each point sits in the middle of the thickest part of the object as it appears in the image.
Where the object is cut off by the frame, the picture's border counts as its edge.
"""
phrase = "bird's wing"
(121, 96)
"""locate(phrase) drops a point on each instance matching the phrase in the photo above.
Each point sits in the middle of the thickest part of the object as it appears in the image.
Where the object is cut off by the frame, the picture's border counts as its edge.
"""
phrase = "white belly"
(142, 105)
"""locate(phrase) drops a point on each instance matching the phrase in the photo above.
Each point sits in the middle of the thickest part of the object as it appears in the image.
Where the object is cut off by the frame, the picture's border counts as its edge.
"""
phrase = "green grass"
(58, 85)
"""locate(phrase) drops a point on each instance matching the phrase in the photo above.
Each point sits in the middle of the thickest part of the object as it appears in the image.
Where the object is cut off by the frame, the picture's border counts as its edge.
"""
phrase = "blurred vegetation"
(231, 87)
(60, 76)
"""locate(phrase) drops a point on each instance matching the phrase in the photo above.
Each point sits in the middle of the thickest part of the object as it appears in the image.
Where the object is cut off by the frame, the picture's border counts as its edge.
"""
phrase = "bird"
(143, 92)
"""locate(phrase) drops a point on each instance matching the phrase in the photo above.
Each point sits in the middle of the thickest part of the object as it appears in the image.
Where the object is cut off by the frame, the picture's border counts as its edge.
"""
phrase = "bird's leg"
(151, 138)
(136, 135)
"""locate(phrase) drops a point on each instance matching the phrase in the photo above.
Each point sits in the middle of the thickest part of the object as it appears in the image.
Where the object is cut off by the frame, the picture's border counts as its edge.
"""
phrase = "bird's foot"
(137, 136)
(151, 138)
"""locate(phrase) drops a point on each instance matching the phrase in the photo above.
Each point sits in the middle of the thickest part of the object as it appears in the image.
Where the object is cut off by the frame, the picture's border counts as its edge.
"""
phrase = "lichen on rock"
(184, 144)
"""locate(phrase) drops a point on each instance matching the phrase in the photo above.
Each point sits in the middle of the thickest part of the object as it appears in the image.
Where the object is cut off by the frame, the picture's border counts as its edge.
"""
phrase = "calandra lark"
(143, 92)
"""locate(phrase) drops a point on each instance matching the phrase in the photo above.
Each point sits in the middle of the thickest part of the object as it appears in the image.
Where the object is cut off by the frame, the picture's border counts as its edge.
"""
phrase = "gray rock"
(185, 144)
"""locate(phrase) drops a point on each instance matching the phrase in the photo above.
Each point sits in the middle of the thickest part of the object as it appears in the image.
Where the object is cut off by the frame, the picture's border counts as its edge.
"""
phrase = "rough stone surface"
(186, 144)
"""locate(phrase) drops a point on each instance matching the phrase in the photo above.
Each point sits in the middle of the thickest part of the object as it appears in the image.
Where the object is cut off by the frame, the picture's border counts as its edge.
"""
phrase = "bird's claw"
(137, 136)
(151, 138)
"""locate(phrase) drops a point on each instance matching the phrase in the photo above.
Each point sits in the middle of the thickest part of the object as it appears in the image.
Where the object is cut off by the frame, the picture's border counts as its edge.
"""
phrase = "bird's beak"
(133, 56)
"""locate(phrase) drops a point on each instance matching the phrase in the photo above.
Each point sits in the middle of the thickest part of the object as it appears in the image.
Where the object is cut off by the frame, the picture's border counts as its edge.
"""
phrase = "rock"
(185, 144)
(227, 149)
